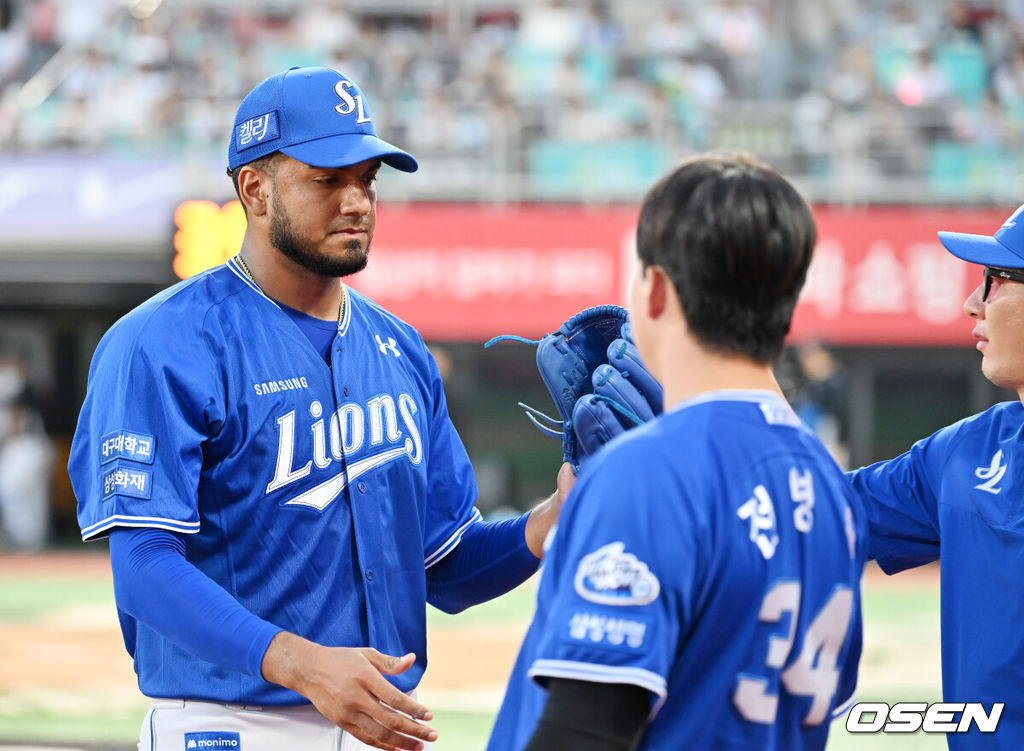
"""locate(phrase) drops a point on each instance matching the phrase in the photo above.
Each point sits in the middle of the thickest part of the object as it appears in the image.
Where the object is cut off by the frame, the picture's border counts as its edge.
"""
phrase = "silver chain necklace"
(245, 269)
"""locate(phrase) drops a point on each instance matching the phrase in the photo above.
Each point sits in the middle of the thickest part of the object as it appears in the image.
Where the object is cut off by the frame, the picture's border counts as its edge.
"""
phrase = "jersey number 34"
(814, 673)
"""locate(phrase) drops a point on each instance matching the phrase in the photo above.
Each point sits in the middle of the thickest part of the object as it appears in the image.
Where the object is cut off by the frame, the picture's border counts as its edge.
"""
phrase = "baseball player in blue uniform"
(271, 457)
(958, 496)
(702, 587)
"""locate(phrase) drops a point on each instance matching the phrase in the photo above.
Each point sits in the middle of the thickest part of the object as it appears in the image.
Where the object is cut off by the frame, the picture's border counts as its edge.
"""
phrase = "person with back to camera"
(702, 588)
(271, 457)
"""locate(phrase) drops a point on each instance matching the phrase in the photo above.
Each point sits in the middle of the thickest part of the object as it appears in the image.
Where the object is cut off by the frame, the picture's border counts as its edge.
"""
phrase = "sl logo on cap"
(349, 103)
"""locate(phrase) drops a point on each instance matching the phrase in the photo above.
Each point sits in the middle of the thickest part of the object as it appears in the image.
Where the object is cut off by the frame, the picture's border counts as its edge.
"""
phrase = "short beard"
(283, 237)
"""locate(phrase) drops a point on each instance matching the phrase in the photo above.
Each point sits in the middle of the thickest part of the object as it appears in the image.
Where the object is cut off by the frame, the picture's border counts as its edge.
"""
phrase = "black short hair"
(266, 163)
(735, 238)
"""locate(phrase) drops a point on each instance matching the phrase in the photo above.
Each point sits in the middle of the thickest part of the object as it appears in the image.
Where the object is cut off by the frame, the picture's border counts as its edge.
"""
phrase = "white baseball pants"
(179, 725)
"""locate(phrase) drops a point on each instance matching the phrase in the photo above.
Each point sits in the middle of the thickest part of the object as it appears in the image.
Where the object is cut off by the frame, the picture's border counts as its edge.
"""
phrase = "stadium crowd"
(841, 89)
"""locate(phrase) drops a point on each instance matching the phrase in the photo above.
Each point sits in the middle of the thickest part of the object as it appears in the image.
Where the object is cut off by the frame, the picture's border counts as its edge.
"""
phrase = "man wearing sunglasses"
(958, 496)
(992, 272)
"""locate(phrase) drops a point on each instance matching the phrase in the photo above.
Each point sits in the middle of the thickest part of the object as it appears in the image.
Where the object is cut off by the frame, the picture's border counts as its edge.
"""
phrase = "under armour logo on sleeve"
(390, 345)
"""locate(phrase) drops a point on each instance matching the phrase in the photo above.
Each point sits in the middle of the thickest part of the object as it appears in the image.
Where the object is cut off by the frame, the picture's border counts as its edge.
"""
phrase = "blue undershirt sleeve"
(490, 559)
(155, 584)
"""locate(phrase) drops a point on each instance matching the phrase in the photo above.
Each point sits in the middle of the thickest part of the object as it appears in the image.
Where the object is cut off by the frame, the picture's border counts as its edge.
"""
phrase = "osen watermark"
(910, 716)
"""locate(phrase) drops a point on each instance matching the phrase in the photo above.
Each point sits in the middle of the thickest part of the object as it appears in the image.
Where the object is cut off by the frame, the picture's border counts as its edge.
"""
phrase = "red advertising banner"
(470, 272)
(879, 277)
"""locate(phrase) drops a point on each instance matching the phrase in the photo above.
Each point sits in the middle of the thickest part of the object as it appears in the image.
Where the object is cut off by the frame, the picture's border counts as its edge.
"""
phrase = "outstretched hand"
(347, 686)
(545, 515)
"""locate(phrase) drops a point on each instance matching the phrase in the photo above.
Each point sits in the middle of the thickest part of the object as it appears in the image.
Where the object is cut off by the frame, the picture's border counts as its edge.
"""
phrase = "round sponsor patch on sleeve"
(611, 576)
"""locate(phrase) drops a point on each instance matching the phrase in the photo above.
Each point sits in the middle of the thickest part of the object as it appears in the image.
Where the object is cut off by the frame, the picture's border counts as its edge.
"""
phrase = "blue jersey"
(316, 495)
(712, 557)
(958, 495)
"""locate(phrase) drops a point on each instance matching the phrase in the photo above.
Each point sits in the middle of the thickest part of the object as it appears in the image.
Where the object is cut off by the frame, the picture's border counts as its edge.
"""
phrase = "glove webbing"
(535, 416)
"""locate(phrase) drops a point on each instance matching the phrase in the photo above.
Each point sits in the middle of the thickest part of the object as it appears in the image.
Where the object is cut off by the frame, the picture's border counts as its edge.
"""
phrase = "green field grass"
(24, 599)
(900, 663)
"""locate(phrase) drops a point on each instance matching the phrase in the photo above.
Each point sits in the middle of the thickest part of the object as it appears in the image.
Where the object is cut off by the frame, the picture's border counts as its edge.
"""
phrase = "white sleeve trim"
(586, 671)
(99, 529)
(843, 708)
(449, 545)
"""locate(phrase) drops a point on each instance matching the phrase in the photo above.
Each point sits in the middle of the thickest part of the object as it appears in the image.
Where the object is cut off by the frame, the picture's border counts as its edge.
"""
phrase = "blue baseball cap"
(1004, 250)
(315, 115)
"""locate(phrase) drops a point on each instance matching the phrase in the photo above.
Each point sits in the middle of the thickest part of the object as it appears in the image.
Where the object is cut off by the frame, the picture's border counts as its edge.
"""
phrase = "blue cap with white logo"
(315, 115)
(1004, 250)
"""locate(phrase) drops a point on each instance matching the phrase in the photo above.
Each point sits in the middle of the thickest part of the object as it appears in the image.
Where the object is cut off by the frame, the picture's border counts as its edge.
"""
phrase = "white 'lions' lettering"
(413, 444)
(283, 472)
(344, 435)
(382, 417)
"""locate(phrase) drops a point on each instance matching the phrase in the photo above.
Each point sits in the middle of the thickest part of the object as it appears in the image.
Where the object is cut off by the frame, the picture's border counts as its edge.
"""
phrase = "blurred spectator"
(964, 24)
(893, 148)
(925, 88)
(982, 125)
(600, 30)
(571, 70)
(673, 34)
(13, 44)
(43, 20)
(26, 462)
(739, 31)
(324, 27)
(819, 397)
(923, 83)
(79, 23)
(900, 29)
(852, 82)
(1008, 78)
(551, 26)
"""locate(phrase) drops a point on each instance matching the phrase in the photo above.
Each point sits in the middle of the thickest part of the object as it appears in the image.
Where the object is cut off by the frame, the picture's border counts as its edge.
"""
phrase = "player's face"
(323, 218)
(999, 328)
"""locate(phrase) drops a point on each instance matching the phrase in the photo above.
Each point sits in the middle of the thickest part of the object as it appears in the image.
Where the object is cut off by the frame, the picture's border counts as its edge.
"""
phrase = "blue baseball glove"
(596, 379)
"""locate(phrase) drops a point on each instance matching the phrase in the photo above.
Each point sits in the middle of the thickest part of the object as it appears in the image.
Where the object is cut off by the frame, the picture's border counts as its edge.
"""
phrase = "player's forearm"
(495, 557)
(490, 559)
(156, 585)
(287, 659)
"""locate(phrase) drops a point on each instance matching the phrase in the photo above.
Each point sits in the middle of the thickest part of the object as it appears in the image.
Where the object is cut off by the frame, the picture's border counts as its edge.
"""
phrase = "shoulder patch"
(611, 576)
(124, 444)
(127, 481)
(599, 629)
